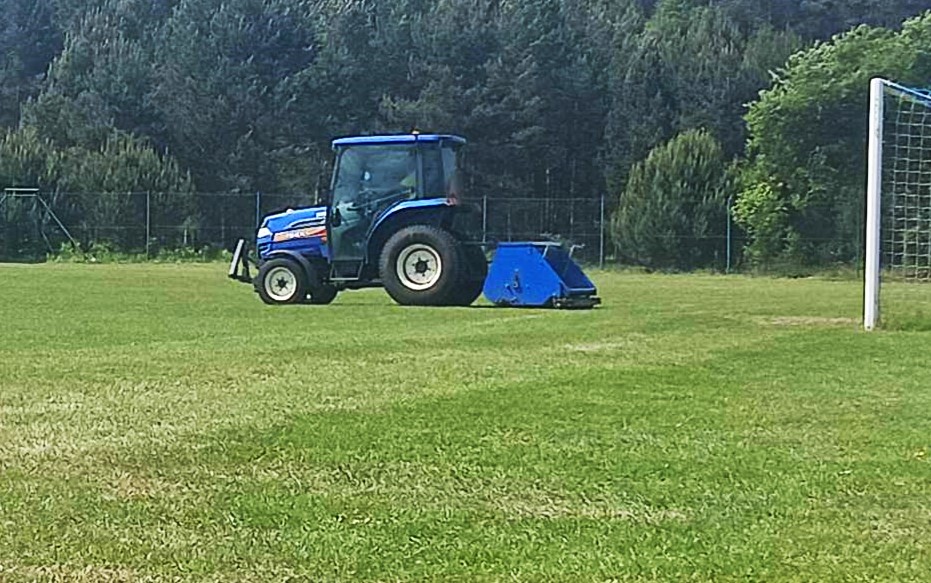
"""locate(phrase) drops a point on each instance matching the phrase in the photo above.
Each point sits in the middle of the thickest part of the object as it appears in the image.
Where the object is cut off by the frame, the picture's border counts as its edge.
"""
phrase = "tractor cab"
(378, 176)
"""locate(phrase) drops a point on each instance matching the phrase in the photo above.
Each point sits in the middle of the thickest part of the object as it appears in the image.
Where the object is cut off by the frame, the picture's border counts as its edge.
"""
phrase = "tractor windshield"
(371, 174)
(368, 175)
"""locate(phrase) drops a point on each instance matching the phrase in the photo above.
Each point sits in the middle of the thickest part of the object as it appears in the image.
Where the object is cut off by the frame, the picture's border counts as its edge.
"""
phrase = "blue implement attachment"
(538, 274)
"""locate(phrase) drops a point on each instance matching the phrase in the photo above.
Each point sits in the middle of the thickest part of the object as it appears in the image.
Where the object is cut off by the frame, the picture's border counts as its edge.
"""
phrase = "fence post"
(601, 233)
(485, 218)
(571, 218)
(35, 218)
(730, 203)
(148, 221)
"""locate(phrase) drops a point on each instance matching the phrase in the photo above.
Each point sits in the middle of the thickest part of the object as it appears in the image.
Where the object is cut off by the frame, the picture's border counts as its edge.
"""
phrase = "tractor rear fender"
(313, 278)
(433, 212)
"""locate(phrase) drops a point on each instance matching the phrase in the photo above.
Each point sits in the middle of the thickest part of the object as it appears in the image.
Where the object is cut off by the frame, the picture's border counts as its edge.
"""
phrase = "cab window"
(371, 173)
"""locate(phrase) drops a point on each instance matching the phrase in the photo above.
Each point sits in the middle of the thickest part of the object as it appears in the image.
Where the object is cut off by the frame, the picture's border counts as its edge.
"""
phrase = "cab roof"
(396, 139)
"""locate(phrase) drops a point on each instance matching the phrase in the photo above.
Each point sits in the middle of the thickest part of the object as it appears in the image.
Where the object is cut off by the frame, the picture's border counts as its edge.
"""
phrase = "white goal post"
(898, 193)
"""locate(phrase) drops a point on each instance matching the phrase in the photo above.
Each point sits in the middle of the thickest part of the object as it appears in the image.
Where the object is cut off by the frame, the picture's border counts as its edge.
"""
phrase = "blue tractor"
(394, 218)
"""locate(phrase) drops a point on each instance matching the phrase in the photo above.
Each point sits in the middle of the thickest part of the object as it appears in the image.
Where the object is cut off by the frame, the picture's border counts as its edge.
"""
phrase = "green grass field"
(157, 422)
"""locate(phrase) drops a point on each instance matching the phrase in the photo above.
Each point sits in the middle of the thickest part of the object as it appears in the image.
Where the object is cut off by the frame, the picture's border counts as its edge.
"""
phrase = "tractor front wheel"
(323, 294)
(281, 281)
(421, 266)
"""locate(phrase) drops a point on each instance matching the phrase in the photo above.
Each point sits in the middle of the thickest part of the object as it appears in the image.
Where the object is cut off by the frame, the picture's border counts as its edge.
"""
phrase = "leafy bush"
(804, 186)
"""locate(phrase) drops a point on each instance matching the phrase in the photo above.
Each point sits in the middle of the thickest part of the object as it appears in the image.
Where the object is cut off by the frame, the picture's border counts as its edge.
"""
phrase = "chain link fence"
(36, 225)
(578, 222)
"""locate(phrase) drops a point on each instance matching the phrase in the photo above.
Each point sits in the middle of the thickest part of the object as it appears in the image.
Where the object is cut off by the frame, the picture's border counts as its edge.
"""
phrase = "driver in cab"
(369, 184)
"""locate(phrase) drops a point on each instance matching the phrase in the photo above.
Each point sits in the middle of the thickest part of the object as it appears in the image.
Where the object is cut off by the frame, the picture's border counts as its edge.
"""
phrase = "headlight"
(263, 233)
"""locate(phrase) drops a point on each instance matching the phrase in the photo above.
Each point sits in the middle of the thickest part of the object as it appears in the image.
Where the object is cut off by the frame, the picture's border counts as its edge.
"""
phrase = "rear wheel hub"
(419, 267)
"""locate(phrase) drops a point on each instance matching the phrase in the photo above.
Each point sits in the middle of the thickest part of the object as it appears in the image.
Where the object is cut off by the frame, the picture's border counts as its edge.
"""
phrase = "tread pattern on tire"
(473, 278)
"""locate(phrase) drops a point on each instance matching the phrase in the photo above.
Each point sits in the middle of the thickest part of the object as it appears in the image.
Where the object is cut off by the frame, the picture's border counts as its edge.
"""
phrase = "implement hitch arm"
(239, 266)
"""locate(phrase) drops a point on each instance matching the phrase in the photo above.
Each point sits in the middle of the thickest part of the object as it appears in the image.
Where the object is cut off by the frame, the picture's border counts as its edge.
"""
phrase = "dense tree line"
(560, 98)
(802, 198)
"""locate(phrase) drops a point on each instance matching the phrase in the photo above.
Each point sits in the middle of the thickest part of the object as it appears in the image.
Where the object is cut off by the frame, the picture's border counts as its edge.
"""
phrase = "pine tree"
(672, 213)
(29, 40)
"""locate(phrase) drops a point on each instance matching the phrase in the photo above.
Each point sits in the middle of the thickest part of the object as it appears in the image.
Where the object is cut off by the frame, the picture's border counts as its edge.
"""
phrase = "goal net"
(898, 223)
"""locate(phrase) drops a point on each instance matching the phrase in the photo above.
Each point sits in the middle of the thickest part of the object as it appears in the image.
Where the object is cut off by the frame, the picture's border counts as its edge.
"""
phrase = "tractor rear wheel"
(281, 281)
(473, 278)
(421, 266)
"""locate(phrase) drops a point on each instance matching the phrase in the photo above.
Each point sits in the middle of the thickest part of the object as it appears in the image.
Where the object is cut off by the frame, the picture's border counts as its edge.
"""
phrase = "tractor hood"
(295, 219)
(302, 231)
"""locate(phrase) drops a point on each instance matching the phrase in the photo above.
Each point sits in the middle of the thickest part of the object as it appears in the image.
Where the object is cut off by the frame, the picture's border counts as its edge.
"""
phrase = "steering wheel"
(375, 202)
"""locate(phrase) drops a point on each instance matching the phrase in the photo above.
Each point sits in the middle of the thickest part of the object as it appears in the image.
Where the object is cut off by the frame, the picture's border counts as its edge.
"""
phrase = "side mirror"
(335, 218)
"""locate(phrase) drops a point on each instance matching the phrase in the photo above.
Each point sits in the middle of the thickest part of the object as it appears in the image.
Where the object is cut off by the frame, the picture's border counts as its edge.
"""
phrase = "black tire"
(421, 266)
(473, 278)
(281, 281)
(323, 294)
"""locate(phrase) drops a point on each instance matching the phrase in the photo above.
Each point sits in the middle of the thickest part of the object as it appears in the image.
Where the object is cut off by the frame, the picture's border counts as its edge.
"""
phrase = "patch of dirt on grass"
(126, 486)
(541, 505)
(98, 574)
(810, 321)
(607, 346)
(62, 573)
